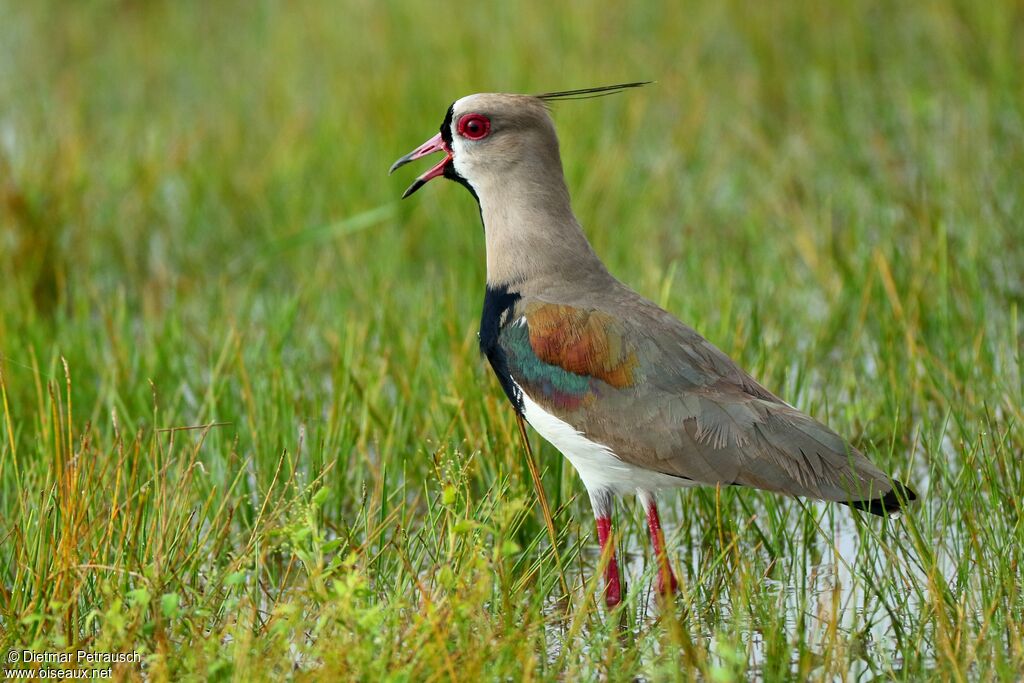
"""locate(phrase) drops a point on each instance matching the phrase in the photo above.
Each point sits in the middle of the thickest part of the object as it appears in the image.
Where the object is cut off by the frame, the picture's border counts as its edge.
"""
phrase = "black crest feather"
(587, 93)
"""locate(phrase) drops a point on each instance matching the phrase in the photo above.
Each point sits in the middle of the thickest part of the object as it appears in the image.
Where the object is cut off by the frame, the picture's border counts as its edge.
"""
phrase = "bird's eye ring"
(474, 126)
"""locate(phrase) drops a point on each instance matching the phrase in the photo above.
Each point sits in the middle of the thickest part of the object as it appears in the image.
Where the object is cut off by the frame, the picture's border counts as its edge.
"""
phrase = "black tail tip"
(893, 501)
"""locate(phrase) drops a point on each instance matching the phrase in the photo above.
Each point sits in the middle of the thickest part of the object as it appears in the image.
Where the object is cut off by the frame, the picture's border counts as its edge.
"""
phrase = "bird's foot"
(612, 592)
(612, 583)
(666, 582)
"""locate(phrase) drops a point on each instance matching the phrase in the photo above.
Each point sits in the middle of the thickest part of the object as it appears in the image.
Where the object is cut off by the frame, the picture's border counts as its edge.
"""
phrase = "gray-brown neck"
(531, 231)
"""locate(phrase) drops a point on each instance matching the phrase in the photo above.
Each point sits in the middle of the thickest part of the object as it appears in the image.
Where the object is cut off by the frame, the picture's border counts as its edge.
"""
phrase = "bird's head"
(487, 135)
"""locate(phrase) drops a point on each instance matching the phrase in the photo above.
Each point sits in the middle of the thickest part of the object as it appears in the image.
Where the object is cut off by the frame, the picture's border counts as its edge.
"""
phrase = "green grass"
(246, 430)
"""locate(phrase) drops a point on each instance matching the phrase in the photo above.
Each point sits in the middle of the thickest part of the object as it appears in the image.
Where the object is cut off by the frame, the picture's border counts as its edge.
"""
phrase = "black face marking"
(446, 126)
(498, 305)
(449, 169)
(451, 174)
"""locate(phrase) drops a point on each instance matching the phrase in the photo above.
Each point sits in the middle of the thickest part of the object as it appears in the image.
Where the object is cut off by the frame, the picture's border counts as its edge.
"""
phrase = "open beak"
(434, 144)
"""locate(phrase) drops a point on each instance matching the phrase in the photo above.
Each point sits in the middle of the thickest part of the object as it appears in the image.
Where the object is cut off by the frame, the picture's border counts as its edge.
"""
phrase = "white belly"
(597, 465)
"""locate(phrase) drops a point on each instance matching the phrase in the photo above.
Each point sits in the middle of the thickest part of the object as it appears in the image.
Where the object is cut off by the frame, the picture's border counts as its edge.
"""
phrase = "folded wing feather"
(675, 404)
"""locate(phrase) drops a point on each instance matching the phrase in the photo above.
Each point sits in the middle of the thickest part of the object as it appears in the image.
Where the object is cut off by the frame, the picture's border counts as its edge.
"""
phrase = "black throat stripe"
(498, 304)
(449, 169)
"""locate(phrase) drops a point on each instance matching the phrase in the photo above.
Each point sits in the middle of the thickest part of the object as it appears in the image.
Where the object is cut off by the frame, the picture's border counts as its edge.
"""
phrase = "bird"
(636, 400)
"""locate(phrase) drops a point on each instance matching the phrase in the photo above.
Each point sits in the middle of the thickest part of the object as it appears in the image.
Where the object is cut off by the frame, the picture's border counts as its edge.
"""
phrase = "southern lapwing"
(635, 399)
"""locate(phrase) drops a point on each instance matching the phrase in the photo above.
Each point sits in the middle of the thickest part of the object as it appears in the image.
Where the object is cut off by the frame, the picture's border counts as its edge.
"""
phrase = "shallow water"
(816, 596)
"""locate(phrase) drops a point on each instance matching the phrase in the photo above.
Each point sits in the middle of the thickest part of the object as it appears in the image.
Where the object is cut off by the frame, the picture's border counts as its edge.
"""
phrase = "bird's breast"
(499, 302)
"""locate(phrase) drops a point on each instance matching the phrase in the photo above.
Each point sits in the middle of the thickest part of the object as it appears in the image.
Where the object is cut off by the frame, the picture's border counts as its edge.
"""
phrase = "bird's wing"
(662, 397)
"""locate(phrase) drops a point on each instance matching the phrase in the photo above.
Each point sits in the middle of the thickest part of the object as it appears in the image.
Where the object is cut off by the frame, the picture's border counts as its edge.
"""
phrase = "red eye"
(474, 126)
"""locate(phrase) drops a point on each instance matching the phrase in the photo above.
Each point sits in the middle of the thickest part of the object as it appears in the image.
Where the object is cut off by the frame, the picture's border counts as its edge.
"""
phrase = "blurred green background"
(195, 215)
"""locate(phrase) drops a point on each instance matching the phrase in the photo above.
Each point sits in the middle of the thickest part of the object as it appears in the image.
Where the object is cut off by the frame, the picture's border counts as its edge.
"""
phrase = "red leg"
(667, 584)
(612, 587)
